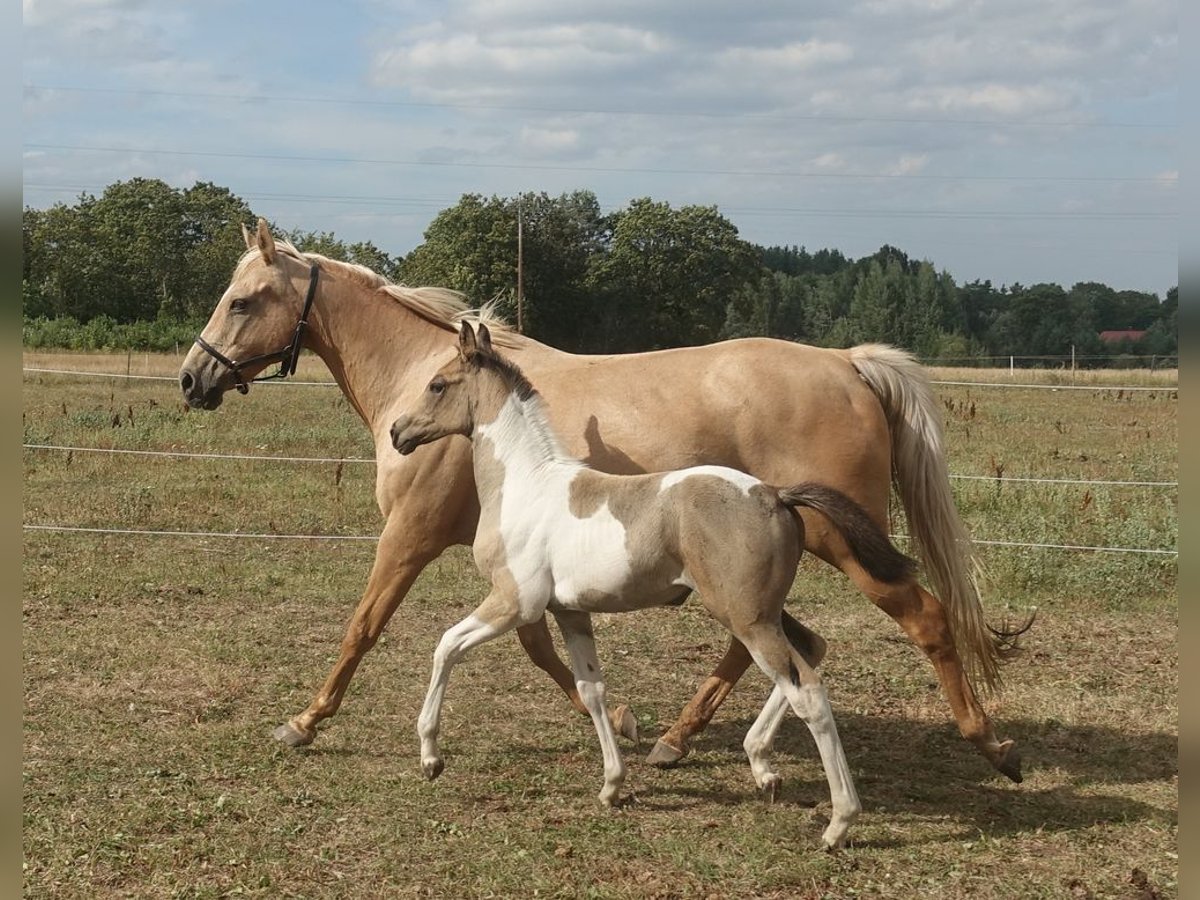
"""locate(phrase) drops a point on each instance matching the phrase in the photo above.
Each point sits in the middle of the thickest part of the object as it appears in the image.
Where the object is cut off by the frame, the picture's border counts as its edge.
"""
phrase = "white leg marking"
(761, 737)
(457, 640)
(811, 703)
(577, 632)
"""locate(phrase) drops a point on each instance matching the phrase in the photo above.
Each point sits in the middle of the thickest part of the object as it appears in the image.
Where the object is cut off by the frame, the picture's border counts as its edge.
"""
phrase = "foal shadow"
(604, 456)
(913, 770)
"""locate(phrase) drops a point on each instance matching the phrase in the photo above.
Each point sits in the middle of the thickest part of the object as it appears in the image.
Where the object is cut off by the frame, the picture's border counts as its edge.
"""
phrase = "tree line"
(145, 262)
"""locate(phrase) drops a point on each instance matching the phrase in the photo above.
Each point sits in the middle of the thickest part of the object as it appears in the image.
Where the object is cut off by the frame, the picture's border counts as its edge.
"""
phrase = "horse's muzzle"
(196, 394)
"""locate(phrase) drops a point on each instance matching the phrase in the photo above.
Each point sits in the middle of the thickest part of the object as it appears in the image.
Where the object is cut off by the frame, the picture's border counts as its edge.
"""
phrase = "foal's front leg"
(497, 614)
(581, 645)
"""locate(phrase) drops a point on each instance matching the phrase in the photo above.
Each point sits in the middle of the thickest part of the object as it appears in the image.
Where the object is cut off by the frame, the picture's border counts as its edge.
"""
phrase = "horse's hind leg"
(581, 645)
(923, 619)
(674, 744)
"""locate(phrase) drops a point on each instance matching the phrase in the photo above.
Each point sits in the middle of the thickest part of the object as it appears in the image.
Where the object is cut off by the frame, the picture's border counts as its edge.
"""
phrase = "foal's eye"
(437, 385)
(239, 305)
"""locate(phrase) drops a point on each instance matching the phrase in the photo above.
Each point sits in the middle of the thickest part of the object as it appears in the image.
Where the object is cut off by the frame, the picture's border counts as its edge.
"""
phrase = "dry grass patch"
(155, 669)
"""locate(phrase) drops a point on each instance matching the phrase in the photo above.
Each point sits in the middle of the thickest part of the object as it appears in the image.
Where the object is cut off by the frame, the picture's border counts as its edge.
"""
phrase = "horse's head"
(254, 325)
(449, 402)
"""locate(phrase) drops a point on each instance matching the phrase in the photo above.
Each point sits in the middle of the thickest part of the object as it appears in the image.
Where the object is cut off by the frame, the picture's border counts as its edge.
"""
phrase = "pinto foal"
(555, 535)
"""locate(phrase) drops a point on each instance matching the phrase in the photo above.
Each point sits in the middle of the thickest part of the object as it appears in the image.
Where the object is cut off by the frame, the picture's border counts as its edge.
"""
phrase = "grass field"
(155, 668)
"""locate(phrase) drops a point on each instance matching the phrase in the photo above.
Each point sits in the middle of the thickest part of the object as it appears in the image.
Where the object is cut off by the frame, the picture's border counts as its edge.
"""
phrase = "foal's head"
(457, 395)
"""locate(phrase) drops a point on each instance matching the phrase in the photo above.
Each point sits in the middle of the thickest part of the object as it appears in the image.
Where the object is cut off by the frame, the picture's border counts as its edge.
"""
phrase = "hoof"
(664, 756)
(433, 768)
(1008, 761)
(770, 788)
(289, 734)
(612, 799)
(625, 722)
(834, 837)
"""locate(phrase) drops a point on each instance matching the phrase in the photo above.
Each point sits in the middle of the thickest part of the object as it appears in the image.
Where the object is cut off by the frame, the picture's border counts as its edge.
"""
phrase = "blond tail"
(922, 478)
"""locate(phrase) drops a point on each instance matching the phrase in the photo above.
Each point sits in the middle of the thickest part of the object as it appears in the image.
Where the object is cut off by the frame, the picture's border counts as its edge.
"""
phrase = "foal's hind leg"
(802, 688)
(673, 745)
(759, 740)
(581, 644)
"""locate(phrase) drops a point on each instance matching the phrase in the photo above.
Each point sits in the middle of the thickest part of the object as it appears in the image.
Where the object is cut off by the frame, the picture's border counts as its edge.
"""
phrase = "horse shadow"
(917, 770)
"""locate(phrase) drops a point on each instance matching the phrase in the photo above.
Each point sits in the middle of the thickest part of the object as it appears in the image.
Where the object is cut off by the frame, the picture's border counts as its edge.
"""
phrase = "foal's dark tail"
(867, 541)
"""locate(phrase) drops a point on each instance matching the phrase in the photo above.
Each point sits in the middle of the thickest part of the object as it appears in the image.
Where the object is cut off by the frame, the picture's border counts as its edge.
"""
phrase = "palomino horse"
(850, 419)
(554, 534)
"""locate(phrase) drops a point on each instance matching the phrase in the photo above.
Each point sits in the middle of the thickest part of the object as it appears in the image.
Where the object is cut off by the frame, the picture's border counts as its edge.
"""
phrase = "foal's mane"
(443, 307)
(510, 373)
(532, 404)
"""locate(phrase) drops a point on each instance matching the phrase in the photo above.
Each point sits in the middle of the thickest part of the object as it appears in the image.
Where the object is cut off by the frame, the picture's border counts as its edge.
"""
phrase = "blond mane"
(444, 307)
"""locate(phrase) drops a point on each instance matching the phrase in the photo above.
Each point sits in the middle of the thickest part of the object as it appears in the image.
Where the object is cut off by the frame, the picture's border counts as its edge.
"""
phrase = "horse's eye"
(437, 385)
(239, 305)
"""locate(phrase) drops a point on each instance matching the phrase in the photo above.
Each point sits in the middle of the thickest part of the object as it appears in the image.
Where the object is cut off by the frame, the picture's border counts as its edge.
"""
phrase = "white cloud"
(549, 141)
(793, 55)
(812, 96)
(909, 164)
(1012, 100)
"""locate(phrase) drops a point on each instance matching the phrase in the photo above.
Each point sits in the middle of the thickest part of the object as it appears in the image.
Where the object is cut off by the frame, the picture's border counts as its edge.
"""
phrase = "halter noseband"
(287, 357)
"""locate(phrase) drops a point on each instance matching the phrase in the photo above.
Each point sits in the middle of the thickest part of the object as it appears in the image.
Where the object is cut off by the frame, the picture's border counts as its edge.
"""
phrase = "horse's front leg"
(535, 638)
(581, 645)
(402, 553)
(498, 613)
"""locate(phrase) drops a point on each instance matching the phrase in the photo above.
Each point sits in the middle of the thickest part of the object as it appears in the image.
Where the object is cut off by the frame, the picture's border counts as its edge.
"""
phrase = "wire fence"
(175, 454)
(185, 454)
(37, 370)
(270, 535)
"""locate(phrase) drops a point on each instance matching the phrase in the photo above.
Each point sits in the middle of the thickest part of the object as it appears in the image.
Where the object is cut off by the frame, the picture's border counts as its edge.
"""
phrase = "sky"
(1007, 140)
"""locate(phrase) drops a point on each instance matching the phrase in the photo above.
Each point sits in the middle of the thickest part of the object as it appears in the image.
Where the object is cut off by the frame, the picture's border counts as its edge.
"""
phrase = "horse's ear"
(266, 243)
(485, 338)
(247, 237)
(466, 340)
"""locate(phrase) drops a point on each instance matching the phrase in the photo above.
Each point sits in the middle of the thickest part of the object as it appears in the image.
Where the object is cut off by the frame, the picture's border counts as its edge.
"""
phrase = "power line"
(831, 118)
(624, 170)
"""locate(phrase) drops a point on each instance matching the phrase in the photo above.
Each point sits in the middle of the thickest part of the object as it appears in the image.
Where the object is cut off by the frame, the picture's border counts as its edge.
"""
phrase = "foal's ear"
(247, 237)
(466, 340)
(265, 243)
(485, 339)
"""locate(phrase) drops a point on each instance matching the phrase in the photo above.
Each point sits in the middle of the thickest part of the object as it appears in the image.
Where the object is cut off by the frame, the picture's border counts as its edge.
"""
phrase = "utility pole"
(520, 273)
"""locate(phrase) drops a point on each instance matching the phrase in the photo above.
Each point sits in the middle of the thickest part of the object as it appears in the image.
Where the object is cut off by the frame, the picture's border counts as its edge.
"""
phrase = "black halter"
(287, 357)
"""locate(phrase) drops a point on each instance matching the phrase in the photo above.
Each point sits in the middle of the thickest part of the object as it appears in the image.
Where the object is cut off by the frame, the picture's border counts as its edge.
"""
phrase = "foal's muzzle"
(403, 442)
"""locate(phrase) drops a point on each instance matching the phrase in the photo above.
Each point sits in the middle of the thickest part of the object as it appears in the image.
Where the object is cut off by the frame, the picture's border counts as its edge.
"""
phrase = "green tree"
(137, 224)
(212, 219)
(668, 276)
(470, 247)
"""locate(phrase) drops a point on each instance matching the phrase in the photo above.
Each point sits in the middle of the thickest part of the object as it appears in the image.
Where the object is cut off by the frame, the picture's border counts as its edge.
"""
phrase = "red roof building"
(1115, 337)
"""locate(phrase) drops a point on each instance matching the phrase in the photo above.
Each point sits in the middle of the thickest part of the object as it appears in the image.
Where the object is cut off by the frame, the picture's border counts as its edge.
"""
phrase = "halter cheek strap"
(287, 357)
